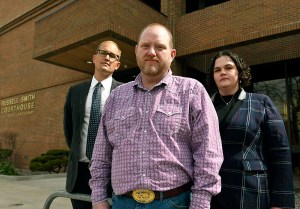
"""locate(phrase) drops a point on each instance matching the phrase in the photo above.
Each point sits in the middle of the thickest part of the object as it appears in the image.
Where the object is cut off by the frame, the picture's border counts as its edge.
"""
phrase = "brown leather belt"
(166, 194)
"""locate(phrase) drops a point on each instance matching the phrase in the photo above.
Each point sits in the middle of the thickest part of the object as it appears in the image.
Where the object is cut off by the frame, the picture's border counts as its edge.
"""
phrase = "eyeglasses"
(112, 57)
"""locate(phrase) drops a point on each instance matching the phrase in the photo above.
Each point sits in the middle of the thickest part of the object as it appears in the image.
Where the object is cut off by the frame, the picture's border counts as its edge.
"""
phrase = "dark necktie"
(94, 120)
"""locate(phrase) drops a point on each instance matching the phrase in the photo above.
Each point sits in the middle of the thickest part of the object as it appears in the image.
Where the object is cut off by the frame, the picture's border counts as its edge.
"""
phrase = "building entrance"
(281, 82)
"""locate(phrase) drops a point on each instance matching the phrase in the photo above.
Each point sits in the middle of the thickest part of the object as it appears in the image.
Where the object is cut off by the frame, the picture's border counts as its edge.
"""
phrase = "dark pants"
(215, 204)
(82, 186)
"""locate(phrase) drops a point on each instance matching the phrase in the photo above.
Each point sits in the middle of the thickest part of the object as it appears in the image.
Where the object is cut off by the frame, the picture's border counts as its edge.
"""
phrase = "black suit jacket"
(73, 119)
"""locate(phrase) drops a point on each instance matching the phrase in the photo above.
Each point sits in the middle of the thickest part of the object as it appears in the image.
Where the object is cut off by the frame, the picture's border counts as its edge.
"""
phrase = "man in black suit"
(77, 114)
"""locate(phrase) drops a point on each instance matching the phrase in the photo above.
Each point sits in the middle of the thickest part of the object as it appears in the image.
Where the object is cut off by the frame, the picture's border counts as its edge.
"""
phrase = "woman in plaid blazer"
(257, 170)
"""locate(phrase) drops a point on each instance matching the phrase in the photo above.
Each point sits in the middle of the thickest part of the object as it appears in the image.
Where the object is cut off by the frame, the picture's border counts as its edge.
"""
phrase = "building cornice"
(39, 9)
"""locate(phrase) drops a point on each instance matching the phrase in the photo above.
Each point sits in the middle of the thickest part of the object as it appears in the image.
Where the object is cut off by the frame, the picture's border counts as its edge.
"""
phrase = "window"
(194, 5)
(155, 4)
(281, 82)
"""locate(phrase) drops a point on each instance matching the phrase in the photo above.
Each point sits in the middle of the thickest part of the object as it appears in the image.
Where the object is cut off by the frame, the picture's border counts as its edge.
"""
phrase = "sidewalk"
(31, 192)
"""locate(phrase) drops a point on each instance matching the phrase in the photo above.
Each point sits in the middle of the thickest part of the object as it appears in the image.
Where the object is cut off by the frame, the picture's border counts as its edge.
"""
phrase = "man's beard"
(152, 69)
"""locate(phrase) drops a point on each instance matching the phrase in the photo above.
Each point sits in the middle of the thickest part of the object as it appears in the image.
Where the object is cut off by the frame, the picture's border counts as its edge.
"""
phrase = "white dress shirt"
(105, 91)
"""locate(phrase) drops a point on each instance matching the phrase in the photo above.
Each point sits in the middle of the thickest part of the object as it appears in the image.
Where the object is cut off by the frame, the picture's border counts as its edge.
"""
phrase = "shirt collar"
(106, 83)
(242, 95)
(166, 80)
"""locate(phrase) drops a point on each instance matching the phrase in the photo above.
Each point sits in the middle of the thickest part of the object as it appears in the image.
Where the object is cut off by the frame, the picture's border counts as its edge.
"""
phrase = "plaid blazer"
(257, 170)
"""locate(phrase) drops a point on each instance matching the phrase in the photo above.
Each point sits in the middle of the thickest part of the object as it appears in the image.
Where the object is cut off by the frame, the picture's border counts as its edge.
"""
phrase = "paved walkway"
(31, 192)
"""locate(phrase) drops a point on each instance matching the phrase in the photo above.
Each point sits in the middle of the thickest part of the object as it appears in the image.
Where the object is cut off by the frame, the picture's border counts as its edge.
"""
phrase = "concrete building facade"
(46, 46)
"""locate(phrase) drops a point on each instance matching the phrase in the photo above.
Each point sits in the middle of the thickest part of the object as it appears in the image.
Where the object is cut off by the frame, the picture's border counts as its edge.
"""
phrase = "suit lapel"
(82, 99)
(114, 84)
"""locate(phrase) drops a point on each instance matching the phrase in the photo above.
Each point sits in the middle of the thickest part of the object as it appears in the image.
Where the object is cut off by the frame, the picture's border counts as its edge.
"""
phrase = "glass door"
(294, 94)
(281, 82)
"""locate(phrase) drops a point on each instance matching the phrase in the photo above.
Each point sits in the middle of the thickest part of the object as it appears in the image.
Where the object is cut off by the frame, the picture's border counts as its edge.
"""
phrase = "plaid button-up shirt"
(158, 139)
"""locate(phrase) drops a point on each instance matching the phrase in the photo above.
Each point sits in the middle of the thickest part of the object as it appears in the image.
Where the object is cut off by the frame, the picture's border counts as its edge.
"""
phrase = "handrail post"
(76, 196)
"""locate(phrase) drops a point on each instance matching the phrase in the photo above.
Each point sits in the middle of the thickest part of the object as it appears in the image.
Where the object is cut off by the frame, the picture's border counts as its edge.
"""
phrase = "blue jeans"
(181, 201)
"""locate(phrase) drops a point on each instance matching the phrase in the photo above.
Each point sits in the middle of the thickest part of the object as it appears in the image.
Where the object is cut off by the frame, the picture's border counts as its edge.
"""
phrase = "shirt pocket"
(167, 119)
(120, 127)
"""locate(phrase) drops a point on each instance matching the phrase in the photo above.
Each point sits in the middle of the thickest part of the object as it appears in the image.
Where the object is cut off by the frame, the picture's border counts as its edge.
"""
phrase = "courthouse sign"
(21, 105)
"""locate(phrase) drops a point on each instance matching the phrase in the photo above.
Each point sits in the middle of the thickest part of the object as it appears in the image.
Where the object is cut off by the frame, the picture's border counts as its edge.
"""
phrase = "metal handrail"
(76, 196)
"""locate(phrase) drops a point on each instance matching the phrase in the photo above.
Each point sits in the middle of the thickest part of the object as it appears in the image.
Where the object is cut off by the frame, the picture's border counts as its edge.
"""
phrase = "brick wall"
(20, 75)
(85, 19)
(10, 9)
(235, 21)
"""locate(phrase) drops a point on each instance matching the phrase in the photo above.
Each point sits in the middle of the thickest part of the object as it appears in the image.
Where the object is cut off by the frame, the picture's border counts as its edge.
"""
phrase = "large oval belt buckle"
(143, 195)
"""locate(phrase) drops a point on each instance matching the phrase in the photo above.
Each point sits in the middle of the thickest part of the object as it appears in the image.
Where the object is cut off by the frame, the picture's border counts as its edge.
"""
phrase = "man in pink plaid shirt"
(158, 140)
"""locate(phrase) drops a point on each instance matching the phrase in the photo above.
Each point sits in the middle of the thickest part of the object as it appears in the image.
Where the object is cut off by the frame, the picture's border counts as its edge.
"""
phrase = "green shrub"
(58, 152)
(5, 155)
(52, 161)
(6, 168)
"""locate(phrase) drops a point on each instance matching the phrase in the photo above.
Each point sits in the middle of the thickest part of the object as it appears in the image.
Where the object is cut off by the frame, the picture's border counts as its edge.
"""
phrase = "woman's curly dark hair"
(242, 67)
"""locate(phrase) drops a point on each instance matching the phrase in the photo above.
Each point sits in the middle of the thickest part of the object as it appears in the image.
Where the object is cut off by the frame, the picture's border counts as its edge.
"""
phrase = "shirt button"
(144, 175)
